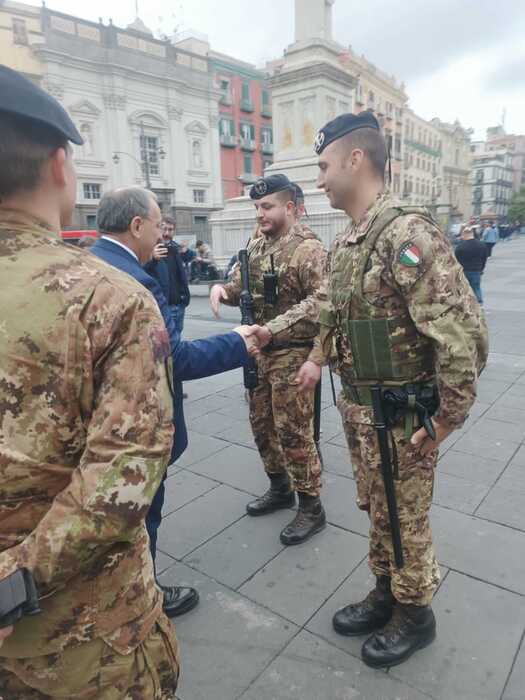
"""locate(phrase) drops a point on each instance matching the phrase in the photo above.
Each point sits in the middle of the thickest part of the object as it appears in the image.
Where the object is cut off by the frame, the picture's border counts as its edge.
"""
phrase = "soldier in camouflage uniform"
(280, 415)
(397, 312)
(85, 434)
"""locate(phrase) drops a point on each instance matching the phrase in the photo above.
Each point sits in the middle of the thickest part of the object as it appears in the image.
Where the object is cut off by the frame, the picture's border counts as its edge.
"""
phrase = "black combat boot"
(310, 519)
(370, 614)
(411, 627)
(278, 496)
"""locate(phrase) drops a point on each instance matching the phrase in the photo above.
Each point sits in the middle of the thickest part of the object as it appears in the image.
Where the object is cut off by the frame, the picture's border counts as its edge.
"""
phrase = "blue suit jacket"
(191, 359)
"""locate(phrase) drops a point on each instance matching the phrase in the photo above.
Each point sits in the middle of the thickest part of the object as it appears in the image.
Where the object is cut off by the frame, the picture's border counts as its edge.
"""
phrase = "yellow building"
(386, 97)
(422, 171)
(20, 31)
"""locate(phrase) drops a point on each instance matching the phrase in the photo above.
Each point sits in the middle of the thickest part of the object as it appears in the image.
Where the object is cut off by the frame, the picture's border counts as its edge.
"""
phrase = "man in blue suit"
(129, 220)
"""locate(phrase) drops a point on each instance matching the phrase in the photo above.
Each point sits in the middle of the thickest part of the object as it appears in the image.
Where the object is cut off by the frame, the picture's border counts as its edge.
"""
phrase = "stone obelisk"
(309, 88)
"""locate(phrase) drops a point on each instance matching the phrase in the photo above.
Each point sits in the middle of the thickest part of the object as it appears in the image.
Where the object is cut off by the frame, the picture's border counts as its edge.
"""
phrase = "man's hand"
(422, 439)
(216, 295)
(160, 251)
(308, 376)
(263, 334)
(249, 337)
(4, 634)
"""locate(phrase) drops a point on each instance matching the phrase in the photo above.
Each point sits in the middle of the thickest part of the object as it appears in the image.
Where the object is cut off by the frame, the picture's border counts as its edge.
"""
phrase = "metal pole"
(146, 157)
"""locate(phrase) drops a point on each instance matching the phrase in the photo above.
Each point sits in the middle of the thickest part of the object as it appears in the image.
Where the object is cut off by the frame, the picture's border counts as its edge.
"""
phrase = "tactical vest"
(385, 345)
(259, 263)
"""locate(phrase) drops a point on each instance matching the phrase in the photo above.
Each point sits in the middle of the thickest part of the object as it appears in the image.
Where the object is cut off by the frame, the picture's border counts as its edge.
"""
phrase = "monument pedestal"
(308, 90)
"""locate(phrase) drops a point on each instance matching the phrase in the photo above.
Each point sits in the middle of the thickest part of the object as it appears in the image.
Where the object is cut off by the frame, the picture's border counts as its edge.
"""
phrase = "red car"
(75, 236)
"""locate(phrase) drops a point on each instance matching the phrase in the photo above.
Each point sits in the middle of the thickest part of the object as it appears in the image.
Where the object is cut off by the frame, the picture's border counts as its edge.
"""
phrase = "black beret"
(270, 185)
(23, 98)
(342, 125)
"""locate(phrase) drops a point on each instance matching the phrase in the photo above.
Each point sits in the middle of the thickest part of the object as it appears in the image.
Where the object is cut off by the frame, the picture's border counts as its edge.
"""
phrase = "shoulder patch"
(410, 255)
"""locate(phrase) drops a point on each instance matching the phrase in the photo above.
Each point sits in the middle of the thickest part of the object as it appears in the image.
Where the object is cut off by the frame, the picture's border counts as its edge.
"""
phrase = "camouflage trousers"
(417, 581)
(95, 671)
(282, 421)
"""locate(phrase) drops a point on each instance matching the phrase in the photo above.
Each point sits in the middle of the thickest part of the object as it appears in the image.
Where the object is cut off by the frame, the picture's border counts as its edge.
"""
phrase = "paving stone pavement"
(263, 629)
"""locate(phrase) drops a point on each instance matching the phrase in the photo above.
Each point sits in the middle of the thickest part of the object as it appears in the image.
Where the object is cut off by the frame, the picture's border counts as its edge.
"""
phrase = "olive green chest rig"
(374, 343)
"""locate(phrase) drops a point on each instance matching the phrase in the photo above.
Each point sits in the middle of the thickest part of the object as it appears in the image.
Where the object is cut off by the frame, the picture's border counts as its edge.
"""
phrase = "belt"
(288, 346)
(361, 394)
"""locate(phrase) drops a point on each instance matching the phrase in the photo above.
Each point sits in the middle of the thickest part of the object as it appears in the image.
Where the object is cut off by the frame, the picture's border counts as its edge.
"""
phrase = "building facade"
(383, 95)
(20, 33)
(245, 122)
(422, 167)
(498, 140)
(147, 110)
(492, 181)
(454, 203)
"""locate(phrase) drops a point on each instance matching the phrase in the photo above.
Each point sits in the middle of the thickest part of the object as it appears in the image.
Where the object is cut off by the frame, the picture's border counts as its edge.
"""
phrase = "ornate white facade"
(146, 111)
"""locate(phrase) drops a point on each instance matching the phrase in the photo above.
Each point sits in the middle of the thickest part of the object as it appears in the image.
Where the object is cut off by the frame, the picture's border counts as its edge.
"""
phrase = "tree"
(517, 207)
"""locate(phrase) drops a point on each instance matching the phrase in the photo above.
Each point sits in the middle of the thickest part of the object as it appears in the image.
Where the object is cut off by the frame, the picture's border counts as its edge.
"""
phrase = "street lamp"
(145, 166)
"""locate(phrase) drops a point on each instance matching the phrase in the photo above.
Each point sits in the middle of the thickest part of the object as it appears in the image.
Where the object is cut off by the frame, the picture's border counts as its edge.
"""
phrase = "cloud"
(419, 37)
(459, 58)
(508, 77)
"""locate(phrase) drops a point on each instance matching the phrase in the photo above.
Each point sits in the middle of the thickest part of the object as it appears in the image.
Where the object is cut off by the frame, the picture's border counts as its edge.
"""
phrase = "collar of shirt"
(21, 221)
(112, 240)
(358, 230)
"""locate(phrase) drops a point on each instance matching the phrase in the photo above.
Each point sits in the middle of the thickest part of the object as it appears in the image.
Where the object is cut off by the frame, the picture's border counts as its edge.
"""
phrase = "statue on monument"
(313, 19)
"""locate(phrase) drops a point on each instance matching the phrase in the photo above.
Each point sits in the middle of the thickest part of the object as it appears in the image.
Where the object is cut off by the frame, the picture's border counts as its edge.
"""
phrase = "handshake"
(255, 338)
(258, 337)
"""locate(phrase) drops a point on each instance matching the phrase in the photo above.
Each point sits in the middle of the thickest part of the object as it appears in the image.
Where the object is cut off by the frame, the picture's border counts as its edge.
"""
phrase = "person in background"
(490, 237)
(472, 256)
(203, 264)
(167, 267)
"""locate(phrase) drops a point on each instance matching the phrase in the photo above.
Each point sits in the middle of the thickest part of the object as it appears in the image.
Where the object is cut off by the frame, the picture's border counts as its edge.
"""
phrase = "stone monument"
(309, 87)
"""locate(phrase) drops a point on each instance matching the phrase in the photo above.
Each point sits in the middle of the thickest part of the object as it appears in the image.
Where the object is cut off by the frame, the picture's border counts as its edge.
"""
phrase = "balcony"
(228, 141)
(266, 111)
(246, 105)
(248, 178)
(247, 144)
(267, 149)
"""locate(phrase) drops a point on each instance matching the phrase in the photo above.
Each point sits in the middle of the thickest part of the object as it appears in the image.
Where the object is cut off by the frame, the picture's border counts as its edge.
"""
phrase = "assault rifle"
(247, 317)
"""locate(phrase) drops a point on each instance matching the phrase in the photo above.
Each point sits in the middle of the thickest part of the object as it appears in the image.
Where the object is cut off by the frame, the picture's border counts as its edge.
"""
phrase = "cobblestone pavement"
(263, 628)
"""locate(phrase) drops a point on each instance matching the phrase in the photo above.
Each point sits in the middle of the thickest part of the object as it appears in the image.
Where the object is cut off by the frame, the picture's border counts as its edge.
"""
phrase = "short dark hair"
(25, 146)
(118, 208)
(372, 143)
(169, 220)
(198, 243)
(288, 196)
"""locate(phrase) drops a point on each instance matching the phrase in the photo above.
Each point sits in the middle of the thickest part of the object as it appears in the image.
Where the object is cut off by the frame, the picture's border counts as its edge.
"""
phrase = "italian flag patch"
(410, 255)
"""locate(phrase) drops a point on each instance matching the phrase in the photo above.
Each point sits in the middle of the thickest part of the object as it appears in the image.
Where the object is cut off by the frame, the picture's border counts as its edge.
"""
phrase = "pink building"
(245, 127)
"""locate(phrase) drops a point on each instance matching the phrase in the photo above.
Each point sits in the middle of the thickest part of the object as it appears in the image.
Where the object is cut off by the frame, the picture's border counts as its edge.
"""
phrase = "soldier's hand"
(263, 334)
(308, 376)
(4, 634)
(250, 339)
(422, 439)
(216, 295)
(160, 251)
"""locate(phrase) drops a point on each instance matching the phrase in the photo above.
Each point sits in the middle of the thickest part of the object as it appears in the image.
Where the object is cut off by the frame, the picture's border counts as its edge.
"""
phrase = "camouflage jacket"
(412, 272)
(85, 435)
(299, 260)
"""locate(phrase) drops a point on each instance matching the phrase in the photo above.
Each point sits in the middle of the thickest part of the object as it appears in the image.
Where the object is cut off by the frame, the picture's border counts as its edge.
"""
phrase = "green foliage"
(517, 207)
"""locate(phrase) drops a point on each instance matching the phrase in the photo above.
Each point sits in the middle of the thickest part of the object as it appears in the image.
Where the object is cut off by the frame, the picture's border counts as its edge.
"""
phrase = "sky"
(461, 59)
